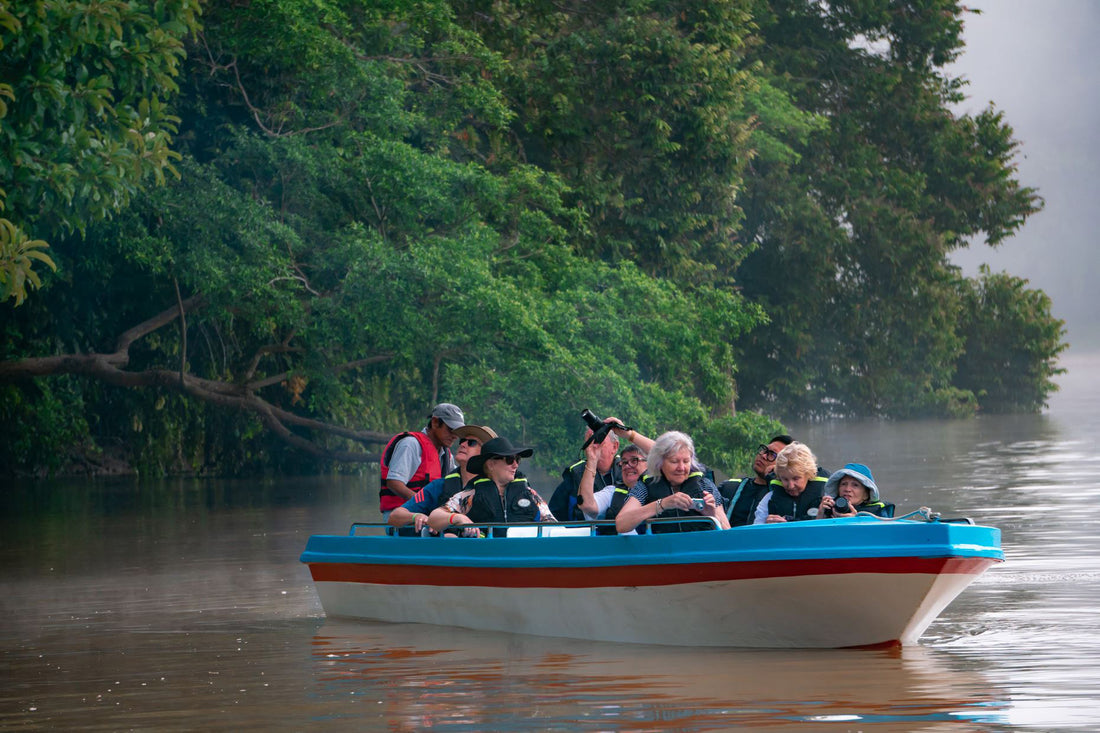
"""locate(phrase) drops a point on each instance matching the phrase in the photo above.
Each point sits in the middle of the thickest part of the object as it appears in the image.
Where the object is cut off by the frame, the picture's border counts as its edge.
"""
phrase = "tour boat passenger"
(598, 469)
(855, 483)
(495, 494)
(415, 511)
(413, 459)
(742, 496)
(610, 500)
(674, 482)
(797, 488)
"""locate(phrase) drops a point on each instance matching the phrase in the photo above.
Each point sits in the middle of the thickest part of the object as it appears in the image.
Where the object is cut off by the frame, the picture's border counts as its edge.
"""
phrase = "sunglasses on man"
(767, 452)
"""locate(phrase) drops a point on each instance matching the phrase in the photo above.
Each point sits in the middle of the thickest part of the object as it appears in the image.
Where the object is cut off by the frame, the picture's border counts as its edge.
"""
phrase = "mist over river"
(181, 605)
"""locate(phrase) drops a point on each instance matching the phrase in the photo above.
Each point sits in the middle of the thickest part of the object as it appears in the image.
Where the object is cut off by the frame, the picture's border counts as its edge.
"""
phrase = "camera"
(840, 504)
(599, 428)
(698, 504)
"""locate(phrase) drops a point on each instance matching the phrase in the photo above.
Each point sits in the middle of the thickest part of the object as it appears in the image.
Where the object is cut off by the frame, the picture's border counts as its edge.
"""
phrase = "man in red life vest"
(412, 459)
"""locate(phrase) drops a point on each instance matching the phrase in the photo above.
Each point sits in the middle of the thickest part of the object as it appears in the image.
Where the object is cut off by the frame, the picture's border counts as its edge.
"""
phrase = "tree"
(1011, 343)
(642, 108)
(84, 119)
(854, 235)
(350, 240)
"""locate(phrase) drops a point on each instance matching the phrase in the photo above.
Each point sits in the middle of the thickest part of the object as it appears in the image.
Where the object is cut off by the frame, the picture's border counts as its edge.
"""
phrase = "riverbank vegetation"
(299, 224)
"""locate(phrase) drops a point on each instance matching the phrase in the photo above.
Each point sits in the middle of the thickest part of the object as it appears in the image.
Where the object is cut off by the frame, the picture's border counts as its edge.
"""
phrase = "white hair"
(668, 443)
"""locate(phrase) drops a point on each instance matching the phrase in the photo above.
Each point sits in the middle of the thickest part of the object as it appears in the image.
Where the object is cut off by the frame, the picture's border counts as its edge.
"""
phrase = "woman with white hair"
(674, 487)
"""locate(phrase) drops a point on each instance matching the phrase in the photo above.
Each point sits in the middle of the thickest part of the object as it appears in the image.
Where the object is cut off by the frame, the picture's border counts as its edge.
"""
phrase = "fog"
(1039, 62)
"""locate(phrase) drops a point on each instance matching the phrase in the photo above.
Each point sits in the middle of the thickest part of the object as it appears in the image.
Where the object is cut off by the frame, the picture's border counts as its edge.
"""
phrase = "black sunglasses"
(472, 442)
(767, 452)
(508, 459)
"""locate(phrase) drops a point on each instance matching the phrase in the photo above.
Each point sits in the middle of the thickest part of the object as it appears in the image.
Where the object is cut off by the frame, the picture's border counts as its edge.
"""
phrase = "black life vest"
(799, 506)
(878, 508)
(563, 502)
(658, 487)
(518, 505)
(741, 498)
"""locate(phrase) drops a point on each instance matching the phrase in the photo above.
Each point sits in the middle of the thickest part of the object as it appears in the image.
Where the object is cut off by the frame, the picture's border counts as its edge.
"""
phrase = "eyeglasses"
(508, 459)
(767, 452)
(633, 461)
(472, 442)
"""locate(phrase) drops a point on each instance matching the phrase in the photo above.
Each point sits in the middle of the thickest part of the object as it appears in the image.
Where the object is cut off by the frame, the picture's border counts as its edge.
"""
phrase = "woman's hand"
(825, 508)
(678, 500)
(775, 519)
(850, 513)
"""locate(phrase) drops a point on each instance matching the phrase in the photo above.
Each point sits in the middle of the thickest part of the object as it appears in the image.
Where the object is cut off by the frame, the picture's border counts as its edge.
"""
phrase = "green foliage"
(39, 422)
(641, 107)
(1012, 344)
(17, 253)
(854, 233)
(86, 120)
(524, 208)
(730, 442)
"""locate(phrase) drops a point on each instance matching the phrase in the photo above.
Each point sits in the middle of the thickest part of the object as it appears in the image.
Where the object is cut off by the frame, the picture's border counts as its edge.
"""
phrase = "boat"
(829, 583)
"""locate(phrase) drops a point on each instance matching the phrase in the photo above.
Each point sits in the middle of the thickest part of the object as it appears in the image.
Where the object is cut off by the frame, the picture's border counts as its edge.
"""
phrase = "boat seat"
(550, 531)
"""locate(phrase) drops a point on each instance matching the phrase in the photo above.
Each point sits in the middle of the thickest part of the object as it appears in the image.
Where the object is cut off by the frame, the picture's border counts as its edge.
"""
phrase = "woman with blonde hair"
(796, 490)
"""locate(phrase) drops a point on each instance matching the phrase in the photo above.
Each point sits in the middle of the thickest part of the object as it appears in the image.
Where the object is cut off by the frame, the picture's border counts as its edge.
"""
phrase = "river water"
(181, 605)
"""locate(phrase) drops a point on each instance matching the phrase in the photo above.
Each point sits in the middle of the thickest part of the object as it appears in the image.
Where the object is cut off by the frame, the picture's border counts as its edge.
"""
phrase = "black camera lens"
(842, 505)
(593, 422)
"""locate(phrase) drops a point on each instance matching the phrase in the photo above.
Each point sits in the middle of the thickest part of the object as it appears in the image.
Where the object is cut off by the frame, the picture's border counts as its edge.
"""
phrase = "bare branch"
(122, 346)
(109, 368)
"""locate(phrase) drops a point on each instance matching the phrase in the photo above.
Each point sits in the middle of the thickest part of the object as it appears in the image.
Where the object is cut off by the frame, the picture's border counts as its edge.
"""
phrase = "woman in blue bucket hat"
(850, 490)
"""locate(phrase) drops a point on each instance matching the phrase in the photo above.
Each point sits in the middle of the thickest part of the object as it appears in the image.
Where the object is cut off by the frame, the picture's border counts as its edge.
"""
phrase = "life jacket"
(452, 484)
(878, 508)
(563, 502)
(799, 506)
(428, 470)
(518, 505)
(618, 501)
(741, 499)
(657, 487)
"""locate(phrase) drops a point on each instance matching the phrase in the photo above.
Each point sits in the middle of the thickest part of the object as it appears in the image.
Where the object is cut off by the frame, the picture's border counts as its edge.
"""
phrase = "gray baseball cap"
(449, 414)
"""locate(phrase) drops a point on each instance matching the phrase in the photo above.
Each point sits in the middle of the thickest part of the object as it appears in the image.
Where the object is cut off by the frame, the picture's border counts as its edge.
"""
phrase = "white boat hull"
(772, 600)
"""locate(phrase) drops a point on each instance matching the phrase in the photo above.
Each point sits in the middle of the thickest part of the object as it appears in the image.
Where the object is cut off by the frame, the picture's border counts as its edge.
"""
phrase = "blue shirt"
(427, 499)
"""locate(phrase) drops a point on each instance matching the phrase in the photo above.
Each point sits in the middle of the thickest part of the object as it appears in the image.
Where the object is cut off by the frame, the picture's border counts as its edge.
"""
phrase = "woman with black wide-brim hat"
(497, 493)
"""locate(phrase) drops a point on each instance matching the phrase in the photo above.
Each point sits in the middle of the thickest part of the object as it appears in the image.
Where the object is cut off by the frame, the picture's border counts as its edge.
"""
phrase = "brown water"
(182, 605)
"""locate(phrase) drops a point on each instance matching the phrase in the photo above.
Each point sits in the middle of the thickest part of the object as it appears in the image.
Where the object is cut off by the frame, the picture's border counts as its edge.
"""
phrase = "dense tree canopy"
(854, 235)
(84, 119)
(653, 209)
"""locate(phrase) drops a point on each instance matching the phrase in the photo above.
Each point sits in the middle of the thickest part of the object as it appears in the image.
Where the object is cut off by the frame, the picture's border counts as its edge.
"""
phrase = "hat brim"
(868, 483)
(480, 432)
(475, 464)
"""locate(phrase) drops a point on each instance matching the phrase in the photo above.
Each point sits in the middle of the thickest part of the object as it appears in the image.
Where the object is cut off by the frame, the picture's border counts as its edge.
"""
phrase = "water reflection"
(426, 677)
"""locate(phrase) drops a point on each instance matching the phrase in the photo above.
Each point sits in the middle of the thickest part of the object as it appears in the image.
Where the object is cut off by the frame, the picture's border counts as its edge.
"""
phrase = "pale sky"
(1039, 62)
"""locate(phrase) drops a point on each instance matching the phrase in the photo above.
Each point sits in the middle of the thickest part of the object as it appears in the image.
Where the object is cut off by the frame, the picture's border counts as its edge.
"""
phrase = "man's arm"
(404, 461)
(415, 510)
(586, 489)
